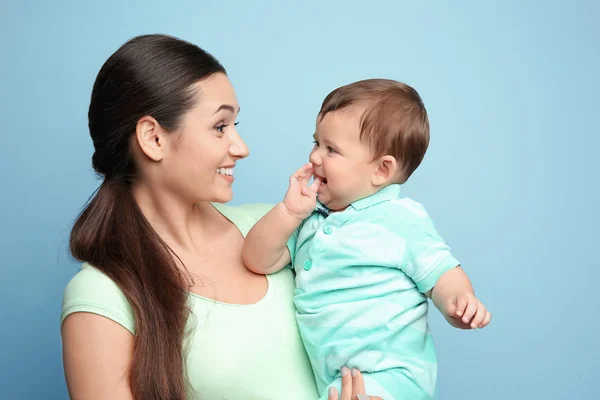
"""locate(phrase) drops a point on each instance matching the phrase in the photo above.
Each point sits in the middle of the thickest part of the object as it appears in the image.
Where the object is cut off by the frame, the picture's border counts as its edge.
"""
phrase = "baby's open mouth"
(323, 180)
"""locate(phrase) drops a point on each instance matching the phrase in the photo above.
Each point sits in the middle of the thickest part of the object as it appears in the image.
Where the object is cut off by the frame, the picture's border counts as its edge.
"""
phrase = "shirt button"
(307, 265)
(328, 229)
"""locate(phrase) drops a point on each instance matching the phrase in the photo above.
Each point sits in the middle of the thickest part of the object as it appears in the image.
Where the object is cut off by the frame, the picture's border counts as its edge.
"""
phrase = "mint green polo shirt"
(361, 275)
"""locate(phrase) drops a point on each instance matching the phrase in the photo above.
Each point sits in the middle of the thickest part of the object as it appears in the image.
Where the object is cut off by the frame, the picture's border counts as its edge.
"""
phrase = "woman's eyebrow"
(228, 108)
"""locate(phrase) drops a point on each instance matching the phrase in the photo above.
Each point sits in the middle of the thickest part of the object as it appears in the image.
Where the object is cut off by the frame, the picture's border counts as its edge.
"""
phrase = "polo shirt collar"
(390, 192)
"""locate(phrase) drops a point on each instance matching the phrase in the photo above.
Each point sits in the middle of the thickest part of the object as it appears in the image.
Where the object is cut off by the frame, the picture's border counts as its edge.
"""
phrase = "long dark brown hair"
(149, 75)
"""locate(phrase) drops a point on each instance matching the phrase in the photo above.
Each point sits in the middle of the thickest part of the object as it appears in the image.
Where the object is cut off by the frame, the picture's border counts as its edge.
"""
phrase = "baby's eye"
(331, 150)
(316, 143)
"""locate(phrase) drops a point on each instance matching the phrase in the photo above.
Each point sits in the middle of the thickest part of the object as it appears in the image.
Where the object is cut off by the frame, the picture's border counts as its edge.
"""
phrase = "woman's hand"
(353, 387)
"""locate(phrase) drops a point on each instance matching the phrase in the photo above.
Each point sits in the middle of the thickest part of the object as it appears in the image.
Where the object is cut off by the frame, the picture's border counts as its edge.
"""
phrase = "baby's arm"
(438, 274)
(453, 295)
(265, 249)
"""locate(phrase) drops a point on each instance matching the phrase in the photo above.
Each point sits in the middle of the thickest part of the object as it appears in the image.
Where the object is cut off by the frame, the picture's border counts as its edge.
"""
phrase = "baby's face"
(341, 160)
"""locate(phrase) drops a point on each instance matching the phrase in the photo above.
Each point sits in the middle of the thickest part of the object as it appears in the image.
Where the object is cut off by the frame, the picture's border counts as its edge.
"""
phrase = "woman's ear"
(387, 167)
(150, 138)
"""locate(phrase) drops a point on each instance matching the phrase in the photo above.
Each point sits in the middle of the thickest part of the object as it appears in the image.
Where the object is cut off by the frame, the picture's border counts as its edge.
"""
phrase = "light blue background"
(511, 177)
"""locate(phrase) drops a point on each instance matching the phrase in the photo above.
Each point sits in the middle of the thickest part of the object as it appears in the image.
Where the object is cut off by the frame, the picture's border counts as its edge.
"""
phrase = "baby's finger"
(315, 185)
(471, 310)
(451, 309)
(308, 192)
(479, 316)
(306, 169)
(486, 320)
(301, 173)
(461, 304)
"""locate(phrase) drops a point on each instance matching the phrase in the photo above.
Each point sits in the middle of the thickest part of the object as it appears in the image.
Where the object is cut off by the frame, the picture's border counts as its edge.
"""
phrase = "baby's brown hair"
(395, 120)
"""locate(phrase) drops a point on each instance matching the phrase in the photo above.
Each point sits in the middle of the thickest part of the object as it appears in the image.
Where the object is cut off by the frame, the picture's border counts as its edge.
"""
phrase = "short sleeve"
(429, 257)
(92, 291)
(291, 245)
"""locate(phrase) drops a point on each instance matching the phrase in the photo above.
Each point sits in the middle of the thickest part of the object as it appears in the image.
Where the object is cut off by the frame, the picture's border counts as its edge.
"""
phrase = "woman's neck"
(182, 225)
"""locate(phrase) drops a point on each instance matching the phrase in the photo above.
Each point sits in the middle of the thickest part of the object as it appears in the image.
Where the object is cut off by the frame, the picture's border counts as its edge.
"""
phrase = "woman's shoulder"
(90, 290)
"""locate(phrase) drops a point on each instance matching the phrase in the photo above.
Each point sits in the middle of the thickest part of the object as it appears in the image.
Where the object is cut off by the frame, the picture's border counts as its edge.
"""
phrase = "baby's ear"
(387, 168)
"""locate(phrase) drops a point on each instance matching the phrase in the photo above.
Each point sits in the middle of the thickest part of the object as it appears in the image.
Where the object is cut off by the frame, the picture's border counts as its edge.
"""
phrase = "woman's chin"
(224, 196)
(221, 195)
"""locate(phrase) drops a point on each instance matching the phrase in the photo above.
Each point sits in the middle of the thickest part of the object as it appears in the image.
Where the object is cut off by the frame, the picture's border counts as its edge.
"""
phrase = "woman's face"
(198, 160)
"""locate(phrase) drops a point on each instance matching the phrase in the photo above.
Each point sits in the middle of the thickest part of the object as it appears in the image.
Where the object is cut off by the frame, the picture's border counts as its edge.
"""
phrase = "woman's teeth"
(225, 171)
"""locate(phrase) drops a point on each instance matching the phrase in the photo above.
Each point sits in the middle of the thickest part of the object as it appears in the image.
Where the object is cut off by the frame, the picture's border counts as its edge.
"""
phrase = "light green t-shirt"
(236, 352)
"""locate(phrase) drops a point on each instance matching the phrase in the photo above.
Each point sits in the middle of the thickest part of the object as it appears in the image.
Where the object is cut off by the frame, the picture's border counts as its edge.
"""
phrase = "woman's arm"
(96, 355)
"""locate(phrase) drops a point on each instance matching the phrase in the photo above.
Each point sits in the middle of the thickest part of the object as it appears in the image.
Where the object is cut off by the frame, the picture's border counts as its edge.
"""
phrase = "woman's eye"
(222, 127)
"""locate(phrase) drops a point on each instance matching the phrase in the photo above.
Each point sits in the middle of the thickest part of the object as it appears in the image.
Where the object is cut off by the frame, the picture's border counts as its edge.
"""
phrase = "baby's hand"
(301, 199)
(464, 311)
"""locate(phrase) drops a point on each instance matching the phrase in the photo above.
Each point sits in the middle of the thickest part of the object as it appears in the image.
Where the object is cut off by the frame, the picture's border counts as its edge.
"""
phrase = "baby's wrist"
(297, 217)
